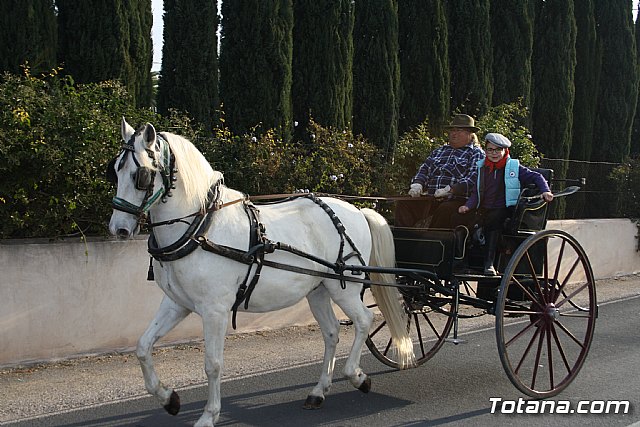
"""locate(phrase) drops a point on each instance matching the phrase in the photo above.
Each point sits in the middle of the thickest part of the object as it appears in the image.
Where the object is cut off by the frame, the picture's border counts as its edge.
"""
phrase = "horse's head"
(142, 172)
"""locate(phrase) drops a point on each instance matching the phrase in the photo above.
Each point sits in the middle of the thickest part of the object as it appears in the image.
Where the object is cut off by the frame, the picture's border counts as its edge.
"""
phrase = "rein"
(213, 208)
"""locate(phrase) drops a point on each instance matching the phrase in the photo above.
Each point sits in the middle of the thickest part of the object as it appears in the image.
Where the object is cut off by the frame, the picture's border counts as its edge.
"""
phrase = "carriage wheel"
(545, 313)
(429, 322)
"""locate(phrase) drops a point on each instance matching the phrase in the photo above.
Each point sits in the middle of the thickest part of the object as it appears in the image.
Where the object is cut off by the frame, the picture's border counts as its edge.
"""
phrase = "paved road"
(452, 389)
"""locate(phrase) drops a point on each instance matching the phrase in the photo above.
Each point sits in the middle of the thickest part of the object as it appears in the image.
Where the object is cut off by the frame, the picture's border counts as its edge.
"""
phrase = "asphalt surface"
(268, 375)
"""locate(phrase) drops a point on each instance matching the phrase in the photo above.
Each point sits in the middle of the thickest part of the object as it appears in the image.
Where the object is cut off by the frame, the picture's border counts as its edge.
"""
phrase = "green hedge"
(627, 179)
(56, 139)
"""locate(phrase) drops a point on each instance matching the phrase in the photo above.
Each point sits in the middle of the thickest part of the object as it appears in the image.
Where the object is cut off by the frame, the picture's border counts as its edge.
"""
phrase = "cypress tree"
(96, 39)
(586, 91)
(424, 63)
(28, 33)
(635, 137)
(141, 49)
(376, 74)
(512, 39)
(189, 72)
(587, 75)
(322, 63)
(554, 61)
(255, 65)
(553, 78)
(618, 87)
(470, 55)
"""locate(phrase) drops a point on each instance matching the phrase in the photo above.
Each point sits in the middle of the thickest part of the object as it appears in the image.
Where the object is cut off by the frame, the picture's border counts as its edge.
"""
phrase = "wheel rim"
(428, 326)
(545, 313)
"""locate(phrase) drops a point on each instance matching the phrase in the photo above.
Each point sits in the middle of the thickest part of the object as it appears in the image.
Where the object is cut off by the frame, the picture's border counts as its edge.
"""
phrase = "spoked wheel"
(545, 314)
(429, 322)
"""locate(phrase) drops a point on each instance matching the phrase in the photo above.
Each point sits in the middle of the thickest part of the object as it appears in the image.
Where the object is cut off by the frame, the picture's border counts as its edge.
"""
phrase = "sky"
(156, 31)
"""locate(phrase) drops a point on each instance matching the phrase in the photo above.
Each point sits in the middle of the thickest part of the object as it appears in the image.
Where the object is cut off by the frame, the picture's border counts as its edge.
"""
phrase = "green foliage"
(512, 41)
(376, 74)
(627, 179)
(255, 65)
(412, 149)
(56, 139)
(322, 64)
(424, 63)
(189, 75)
(618, 85)
(28, 34)
(470, 55)
(334, 161)
(588, 57)
(101, 41)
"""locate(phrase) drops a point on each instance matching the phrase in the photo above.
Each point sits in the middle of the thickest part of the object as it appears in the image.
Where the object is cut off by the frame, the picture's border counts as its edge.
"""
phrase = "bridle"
(144, 177)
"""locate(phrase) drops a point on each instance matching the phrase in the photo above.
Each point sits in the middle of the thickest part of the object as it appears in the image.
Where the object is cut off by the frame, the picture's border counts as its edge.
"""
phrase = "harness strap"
(185, 244)
(256, 245)
(242, 257)
(341, 260)
(260, 245)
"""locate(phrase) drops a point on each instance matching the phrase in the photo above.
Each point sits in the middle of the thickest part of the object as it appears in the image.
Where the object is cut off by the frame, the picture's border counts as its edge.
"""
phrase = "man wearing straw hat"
(448, 174)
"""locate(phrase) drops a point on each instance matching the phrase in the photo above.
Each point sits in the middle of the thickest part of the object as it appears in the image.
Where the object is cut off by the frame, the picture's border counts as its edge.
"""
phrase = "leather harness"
(259, 245)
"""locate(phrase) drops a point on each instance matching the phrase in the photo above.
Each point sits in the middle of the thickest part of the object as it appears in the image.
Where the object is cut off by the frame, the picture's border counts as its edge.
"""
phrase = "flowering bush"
(56, 139)
(627, 180)
(333, 161)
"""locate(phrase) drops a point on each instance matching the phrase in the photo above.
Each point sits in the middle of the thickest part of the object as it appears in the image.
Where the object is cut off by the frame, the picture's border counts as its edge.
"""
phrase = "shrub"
(56, 139)
(627, 180)
(334, 162)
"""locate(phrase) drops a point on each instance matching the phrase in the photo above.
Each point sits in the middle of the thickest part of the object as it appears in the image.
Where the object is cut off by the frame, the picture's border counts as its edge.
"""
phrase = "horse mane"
(195, 174)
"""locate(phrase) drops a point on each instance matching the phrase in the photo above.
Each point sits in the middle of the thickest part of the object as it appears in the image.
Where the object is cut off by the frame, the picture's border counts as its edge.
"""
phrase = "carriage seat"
(530, 215)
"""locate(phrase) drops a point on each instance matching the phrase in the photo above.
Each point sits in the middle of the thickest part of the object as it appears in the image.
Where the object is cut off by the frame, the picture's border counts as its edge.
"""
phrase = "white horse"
(165, 176)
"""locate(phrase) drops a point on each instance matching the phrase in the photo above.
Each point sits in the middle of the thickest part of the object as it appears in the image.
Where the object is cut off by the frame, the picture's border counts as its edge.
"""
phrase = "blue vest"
(511, 181)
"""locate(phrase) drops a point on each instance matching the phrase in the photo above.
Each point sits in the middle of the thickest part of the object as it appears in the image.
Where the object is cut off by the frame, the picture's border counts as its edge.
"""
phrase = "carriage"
(544, 302)
(213, 251)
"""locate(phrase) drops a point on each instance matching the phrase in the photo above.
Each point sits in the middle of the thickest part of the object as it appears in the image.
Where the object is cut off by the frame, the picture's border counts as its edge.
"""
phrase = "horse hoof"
(365, 386)
(173, 407)
(313, 402)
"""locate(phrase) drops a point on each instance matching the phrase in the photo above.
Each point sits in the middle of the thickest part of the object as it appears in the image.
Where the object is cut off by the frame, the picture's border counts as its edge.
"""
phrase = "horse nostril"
(122, 233)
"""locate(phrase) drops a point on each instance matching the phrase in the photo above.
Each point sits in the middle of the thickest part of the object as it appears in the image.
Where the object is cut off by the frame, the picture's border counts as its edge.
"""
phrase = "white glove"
(415, 190)
(442, 192)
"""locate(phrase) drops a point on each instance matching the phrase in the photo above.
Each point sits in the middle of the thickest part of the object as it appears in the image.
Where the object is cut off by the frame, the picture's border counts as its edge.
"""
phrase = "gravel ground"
(39, 389)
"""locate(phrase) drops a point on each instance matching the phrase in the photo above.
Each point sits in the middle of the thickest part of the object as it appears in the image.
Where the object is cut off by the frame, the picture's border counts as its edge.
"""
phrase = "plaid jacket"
(455, 167)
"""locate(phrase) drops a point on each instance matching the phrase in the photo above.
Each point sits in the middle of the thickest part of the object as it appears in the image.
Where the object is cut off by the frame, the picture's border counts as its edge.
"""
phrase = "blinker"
(111, 175)
(143, 178)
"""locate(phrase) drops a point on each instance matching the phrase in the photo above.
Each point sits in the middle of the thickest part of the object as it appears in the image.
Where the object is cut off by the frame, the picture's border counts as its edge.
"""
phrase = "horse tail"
(387, 296)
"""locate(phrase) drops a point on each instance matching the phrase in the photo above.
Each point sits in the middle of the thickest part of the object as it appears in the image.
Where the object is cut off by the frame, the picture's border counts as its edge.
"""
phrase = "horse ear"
(149, 134)
(126, 130)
